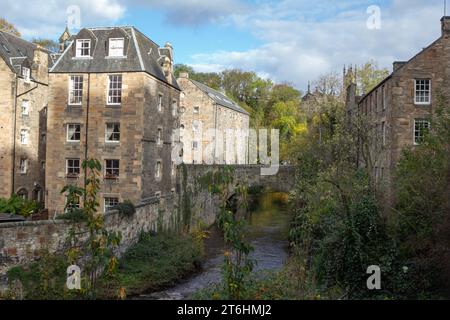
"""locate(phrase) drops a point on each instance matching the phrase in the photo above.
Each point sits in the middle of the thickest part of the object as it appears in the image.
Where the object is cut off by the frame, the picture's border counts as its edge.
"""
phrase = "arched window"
(23, 193)
(37, 194)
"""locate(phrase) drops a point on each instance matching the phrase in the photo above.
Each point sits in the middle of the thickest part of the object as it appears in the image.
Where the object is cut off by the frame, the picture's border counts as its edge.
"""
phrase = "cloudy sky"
(287, 40)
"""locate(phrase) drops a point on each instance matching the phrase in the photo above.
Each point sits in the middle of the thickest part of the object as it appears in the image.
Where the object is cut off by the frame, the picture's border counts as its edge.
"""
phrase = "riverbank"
(155, 262)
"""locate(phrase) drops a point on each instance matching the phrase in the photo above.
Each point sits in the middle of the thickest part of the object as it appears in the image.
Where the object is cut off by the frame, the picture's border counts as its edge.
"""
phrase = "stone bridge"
(202, 207)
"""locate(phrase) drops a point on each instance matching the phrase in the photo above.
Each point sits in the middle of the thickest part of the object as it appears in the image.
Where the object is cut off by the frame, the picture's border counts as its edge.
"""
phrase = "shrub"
(126, 208)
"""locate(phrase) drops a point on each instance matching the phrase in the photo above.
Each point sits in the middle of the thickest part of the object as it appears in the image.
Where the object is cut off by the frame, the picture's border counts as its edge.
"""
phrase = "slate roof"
(219, 98)
(14, 50)
(142, 55)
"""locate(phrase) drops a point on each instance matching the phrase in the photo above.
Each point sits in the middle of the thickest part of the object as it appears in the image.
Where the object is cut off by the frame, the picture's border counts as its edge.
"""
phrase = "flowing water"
(267, 233)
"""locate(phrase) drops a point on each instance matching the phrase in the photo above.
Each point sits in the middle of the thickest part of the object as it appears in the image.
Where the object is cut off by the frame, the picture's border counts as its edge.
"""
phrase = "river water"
(268, 227)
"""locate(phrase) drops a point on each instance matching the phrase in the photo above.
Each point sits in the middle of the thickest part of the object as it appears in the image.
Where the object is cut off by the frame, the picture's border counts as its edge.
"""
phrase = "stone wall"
(22, 242)
(203, 208)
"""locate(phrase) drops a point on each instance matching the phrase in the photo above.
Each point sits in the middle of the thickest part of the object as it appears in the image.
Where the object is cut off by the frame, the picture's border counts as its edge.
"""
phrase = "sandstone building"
(400, 107)
(214, 129)
(112, 97)
(24, 96)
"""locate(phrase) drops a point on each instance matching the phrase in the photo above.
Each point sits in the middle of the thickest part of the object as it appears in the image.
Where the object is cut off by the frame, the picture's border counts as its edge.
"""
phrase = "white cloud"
(195, 12)
(43, 18)
(304, 40)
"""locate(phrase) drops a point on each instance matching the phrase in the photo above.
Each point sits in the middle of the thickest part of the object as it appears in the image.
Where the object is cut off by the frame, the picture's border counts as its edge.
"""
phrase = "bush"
(74, 215)
(126, 208)
(19, 206)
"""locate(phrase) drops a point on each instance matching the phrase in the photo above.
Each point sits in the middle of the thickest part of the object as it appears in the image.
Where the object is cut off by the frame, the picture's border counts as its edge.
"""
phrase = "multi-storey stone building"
(23, 112)
(401, 106)
(214, 129)
(113, 97)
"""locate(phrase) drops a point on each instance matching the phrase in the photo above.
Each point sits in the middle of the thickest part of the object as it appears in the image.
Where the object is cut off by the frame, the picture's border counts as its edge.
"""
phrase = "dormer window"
(26, 74)
(83, 48)
(116, 47)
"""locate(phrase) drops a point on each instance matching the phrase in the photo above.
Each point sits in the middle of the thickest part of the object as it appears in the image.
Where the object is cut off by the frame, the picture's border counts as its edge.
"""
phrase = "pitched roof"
(404, 63)
(219, 98)
(14, 50)
(142, 55)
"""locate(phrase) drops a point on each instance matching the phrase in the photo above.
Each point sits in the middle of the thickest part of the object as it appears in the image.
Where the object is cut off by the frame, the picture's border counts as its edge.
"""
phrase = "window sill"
(83, 58)
(116, 57)
(422, 104)
(113, 105)
(72, 177)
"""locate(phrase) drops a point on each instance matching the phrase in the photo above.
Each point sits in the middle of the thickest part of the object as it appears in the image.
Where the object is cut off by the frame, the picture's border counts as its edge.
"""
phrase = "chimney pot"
(445, 22)
(184, 75)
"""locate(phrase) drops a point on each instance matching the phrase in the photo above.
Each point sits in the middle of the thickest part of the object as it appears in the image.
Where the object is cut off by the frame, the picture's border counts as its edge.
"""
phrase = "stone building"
(112, 97)
(214, 129)
(24, 96)
(401, 106)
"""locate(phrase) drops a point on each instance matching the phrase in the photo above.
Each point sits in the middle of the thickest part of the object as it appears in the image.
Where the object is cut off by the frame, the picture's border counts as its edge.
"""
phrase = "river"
(268, 227)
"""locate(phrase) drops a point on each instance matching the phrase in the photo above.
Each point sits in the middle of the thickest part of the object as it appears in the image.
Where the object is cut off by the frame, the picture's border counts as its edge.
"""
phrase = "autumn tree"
(8, 27)
(48, 44)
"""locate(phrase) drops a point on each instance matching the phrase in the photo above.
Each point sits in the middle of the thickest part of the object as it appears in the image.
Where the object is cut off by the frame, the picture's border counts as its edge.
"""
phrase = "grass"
(155, 262)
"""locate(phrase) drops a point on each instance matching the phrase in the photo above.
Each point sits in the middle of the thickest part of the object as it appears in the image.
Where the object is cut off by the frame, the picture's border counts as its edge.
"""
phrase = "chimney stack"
(398, 64)
(184, 75)
(445, 21)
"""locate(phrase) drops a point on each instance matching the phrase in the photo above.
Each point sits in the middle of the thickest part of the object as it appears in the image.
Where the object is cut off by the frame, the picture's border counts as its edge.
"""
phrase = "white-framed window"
(23, 166)
(115, 89)
(76, 90)
(83, 48)
(159, 137)
(194, 145)
(26, 74)
(110, 203)
(74, 132)
(422, 91)
(112, 132)
(25, 107)
(196, 126)
(112, 168)
(73, 167)
(174, 108)
(24, 136)
(196, 110)
(160, 102)
(158, 170)
(75, 204)
(421, 128)
(116, 47)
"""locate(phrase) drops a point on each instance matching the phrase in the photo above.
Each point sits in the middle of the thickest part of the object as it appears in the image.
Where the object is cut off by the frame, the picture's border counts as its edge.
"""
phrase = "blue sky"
(291, 41)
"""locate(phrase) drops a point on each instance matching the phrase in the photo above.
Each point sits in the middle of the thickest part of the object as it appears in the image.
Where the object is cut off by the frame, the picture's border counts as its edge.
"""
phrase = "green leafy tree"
(369, 75)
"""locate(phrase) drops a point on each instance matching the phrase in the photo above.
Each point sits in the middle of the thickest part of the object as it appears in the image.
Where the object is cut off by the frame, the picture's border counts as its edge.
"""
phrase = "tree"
(369, 75)
(47, 44)
(8, 27)
(180, 68)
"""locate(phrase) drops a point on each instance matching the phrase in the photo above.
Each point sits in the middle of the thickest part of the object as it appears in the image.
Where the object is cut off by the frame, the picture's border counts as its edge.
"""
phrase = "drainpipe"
(13, 178)
(87, 129)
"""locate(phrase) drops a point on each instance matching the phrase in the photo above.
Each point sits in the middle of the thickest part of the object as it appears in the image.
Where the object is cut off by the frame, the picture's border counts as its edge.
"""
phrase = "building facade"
(113, 97)
(401, 106)
(24, 91)
(214, 129)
